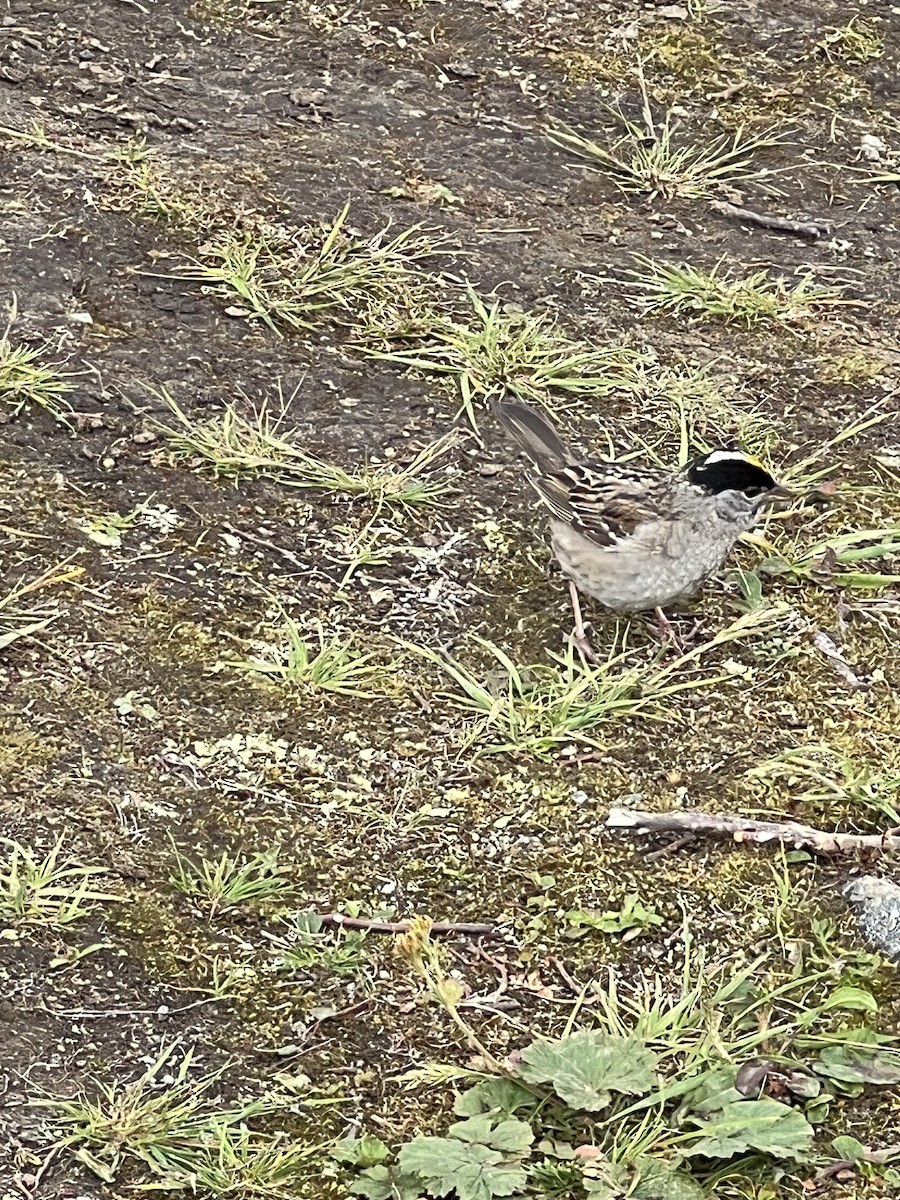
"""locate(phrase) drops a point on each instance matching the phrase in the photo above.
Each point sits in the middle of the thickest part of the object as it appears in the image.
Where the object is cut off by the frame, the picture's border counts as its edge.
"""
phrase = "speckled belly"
(646, 573)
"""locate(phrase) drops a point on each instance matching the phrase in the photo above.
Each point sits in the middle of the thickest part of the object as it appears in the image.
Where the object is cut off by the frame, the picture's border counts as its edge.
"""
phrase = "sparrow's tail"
(535, 434)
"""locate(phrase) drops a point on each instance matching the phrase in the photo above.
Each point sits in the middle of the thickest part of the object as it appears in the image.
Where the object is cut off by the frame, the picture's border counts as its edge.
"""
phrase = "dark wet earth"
(117, 733)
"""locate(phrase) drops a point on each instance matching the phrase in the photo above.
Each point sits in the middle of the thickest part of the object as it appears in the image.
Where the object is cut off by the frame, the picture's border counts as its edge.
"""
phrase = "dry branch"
(810, 229)
(743, 829)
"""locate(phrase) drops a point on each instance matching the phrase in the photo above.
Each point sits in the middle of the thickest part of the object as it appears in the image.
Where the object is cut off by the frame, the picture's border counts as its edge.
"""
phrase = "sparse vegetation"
(229, 881)
(656, 1102)
(857, 41)
(22, 617)
(48, 890)
(298, 280)
(832, 561)
(491, 349)
(541, 708)
(750, 300)
(697, 407)
(178, 1131)
(820, 777)
(246, 442)
(599, 1047)
(335, 666)
(650, 158)
(306, 946)
(27, 379)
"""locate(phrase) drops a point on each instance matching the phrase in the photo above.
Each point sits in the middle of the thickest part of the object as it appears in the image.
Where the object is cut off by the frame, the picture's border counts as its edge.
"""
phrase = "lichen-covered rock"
(876, 903)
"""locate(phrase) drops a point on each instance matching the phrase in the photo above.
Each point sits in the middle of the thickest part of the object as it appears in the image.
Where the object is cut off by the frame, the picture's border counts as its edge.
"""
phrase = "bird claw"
(578, 640)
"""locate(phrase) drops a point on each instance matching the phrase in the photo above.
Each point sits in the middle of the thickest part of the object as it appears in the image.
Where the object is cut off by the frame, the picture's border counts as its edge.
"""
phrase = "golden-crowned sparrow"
(635, 537)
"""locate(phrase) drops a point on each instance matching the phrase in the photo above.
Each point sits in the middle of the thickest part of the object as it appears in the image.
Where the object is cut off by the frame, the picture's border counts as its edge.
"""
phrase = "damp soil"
(121, 732)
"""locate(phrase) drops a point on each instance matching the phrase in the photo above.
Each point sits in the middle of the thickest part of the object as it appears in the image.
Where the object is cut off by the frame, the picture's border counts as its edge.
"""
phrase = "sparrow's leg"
(669, 635)
(666, 630)
(579, 635)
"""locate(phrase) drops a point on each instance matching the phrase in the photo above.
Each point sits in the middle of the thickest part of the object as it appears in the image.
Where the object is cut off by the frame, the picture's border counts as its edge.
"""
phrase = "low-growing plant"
(47, 889)
(833, 561)
(306, 945)
(329, 665)
(755, 299)
(245, 442)
(857, 41)
(229, 881)
(169, 1125)
(26, 379)
(298, 280)
(630, 921)
(819, 775)
(489, 350)
(662, 1096)
(649, 158)
(541, 707)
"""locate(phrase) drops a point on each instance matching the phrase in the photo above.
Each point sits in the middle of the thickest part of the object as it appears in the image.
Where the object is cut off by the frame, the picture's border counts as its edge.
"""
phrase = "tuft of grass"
(47, 891)
(165, 1126)
(832, 561)
(237, 1161)
(751, 300)
(19, 618)
(648, 159)
(857, 41)
(25, 379)
(820, 775)
(333, 665)
(307, 946)
(229, 881)
(301, 279)
(695, 406)
(539, 708)
(488, 350)
(247, 443)
(140, 183)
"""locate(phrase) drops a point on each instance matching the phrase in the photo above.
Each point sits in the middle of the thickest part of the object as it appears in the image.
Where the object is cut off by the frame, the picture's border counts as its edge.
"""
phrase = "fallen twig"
(827, 646)
(339, 920)
(670, 848)
(267, 545)
(810, 229)
(570, 982)
(742, 829)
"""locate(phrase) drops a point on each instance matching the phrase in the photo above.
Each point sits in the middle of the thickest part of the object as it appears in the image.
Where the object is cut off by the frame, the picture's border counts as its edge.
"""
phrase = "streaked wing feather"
(605, 508)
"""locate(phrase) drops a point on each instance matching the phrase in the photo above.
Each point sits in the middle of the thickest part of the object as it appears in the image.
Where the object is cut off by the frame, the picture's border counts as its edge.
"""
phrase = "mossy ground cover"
(232, 519)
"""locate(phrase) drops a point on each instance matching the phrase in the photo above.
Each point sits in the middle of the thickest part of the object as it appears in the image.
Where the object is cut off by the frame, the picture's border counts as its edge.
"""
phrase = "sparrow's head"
(734, 471)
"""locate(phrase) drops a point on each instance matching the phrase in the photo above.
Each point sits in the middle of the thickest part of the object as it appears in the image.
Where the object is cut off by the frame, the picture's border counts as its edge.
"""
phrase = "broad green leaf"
(852, 998)
(711, 1092)
(586, 1068)
(511, 1136)
(385, 1183)
(365, 1151)
(849, 1149)
(655, 1181)
(858, 1064)
(475, 1129)
(493, 1095)
(765, 1125)
(474, 1171)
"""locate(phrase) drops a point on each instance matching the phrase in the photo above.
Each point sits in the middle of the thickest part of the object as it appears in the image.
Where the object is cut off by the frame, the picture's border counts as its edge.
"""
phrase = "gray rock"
(876, 903)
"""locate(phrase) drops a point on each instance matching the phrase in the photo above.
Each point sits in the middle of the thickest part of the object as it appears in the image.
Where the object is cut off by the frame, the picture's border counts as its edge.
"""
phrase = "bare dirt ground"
(137, 135)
